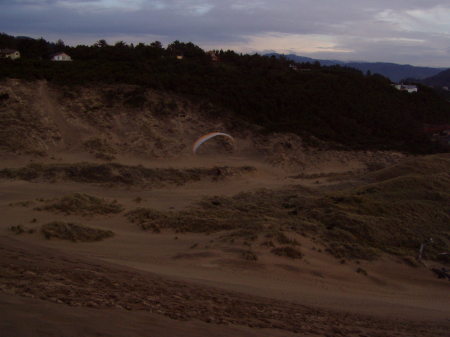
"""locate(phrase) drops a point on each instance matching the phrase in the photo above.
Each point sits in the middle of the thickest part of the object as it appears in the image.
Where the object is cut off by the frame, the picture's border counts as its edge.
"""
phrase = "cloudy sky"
(401, 31)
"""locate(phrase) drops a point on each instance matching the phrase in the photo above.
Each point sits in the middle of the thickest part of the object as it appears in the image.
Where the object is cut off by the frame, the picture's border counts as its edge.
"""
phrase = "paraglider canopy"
(207, 137)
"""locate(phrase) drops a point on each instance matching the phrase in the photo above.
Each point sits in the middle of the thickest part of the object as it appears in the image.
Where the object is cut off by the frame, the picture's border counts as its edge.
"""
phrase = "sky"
(413, 32)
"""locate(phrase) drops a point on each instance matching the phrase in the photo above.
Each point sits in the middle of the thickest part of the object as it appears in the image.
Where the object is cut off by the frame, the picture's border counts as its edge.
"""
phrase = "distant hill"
(304, 59)
(395, 72)
(439, 80)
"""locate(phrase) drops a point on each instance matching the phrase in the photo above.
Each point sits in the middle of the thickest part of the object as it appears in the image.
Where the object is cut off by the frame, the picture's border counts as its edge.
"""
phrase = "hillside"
(395, 72)
(99, 125)
(107, 122)
(340, 106)
(439, 80)
(110, 220)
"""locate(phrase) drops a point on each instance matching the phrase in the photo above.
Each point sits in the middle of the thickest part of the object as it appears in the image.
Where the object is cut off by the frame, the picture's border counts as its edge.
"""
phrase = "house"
(9, 54)
(295, 67)
(405, 87)
(409, 88)
(60, 57)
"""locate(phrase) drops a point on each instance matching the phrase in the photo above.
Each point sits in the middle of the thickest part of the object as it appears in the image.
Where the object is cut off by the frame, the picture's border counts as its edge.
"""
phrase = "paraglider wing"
(206, 137)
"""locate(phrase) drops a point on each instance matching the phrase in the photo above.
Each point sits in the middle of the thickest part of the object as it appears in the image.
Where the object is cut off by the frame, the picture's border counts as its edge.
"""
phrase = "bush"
(19, 229)
(73, 232)
(287, 251)
(249, 255)
(84, 204)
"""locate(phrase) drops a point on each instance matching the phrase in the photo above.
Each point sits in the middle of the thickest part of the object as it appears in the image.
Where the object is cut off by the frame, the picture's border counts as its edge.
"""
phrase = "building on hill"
(405, 87)
(9, 54)
(60, 57)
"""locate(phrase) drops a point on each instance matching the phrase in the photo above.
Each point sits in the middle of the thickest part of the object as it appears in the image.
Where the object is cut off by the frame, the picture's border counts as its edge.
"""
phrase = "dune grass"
(74, 232)
(286, 251)
(100, 148)
(83, 204)
(117, 174)
(393, 211)
(20, 229)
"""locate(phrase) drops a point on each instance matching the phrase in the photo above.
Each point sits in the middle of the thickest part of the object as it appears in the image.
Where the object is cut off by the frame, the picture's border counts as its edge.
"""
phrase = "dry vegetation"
(83, 204)
(19, 229)
(100, 148)
(394, 212)
(22, 126)
(74, 232)
(104, 120)
(113, 173)
(287, 251)
(26, 203)
(77, 282)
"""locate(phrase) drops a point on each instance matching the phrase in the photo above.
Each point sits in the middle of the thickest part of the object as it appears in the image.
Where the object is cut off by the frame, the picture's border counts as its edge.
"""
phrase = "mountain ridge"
(441, 79)
(395, 72)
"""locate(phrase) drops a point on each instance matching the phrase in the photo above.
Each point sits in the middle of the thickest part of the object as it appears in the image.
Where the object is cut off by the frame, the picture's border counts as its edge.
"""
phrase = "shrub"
(84, 204)
(249, 255)
(74, 232)
(19, 229)
(287, 251)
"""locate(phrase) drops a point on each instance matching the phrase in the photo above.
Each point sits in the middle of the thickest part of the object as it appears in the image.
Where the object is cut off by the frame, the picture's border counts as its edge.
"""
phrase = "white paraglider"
(208, 136)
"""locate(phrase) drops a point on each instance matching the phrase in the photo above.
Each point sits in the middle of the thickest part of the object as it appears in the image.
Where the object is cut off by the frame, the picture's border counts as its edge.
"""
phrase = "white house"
(9, 54)
(405, 87)
(60, 57)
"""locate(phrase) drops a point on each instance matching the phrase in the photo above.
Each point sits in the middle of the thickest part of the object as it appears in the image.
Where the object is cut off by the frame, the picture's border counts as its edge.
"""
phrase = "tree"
(60, 43)
(120, 44)
(156, 44)
(101, 44)
(188, 50)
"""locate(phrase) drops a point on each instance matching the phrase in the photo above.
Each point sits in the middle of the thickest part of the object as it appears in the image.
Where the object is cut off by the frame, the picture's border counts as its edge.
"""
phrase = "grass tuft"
(19, 229)
(287, 251)
(83, 204)
(74, 232)
(117, 174)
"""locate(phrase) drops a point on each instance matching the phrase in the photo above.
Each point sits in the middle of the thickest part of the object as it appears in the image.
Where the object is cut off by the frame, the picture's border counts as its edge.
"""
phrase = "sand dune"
(231, 242)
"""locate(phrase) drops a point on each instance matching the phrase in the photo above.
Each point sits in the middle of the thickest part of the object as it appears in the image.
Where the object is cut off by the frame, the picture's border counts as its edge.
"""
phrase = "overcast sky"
(402, 31)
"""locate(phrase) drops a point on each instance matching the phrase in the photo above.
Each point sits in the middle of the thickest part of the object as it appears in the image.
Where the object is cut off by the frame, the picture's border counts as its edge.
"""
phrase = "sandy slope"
(48, 319)
(170, 284)
(391, 297)
(46, 274)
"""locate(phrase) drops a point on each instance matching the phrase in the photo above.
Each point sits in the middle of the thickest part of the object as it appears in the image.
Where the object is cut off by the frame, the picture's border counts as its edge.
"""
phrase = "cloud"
(431, 20)
(414, 31)
(289, 43)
